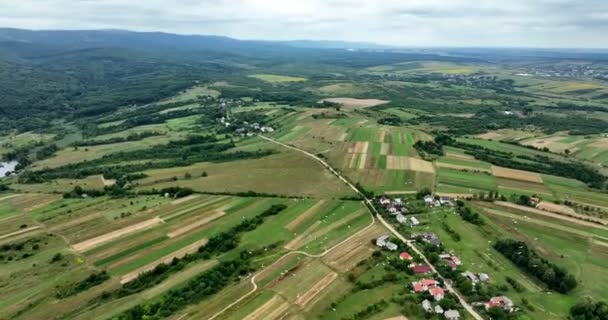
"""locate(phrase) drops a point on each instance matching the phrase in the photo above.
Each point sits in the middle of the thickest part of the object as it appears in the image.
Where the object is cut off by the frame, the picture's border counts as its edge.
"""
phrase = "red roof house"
(437, 293)
(421, 269)
(405, 256)
(424, 285)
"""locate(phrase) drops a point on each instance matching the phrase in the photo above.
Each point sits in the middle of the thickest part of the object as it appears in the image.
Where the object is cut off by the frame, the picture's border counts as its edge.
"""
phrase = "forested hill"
(47, 75)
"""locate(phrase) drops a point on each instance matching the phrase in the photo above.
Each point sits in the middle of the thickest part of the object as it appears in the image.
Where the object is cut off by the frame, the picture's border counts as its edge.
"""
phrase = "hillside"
(198, 177)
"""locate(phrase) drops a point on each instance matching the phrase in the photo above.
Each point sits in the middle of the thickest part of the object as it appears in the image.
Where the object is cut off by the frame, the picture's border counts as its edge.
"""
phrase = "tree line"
(520, 254)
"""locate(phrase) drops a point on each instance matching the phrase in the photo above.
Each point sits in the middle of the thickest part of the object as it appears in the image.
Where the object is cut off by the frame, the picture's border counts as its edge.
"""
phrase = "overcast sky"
(496, 23)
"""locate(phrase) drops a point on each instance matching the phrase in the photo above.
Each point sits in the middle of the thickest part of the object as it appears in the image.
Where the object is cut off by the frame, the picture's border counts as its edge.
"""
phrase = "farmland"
(239, 191)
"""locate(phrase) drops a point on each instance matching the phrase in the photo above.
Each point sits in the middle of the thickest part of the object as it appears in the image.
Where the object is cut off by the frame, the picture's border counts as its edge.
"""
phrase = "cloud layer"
(513, 23)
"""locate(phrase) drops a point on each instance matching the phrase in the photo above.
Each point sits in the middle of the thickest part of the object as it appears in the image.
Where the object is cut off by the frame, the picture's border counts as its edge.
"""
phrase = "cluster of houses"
(245, 128)
(396, 207)
(434, 288)
(442, 201)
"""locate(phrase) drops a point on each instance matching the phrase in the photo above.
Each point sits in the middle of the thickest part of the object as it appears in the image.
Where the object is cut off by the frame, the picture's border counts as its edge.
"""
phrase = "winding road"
(373, 212)
(409, 243)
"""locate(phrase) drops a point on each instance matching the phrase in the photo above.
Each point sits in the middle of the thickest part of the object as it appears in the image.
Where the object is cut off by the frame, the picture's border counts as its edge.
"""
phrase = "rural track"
(371, 207)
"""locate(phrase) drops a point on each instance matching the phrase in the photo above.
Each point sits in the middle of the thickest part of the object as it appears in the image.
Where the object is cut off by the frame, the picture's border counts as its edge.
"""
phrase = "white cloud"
(536, 23)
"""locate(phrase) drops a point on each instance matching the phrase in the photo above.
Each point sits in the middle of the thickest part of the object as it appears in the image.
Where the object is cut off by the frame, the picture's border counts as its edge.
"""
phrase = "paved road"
(409, 243)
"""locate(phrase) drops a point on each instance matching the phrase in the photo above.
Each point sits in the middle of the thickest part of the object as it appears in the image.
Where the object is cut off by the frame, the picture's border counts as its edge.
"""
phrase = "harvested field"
(382, 135)
(9, 197)
(601, 143)
(19, 232)
(294, 224)
(356, 102)
(353, 160)
(396, 163)
(459, 156)
(409, 163)
(107, 182)
(185, 199)
(191, 225)
(362, 161)
(556, 215)
(97, 241)
(523, 185)
(501, 172)
(361, 147)
(313, 292)
(420, 165)
(343, 136)
(385, 148)
(166, 260)
(557, 208)
(348, 254)
(275, 308)
(397, 318)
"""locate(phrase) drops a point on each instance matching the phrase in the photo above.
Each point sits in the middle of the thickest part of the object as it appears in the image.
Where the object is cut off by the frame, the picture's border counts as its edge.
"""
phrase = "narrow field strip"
(206, 203)
(271, 310)
(460, 167)
(313, 292)
(19, 232)
(317, 234)
(516, 174)
(97, 241)
(574, 219)
(543, 223)
(166, 260)
(185, 199)
(196, 224)
(310, 212)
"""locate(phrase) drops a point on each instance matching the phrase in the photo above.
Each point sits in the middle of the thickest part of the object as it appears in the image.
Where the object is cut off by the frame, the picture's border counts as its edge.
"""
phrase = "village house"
(414, 221)
(393, 211)
(451, 260)
(405, 256)
(452, 315)
(428, 237)
(421, 268)
(424, 285)
(446, 201)
(383, 242)
(401, 218)
(437, 293)
(483, 277)
(384, 201)
(429, 200)
(500, 302)
(471, 276)
(267, 129)
(397, 202)
(426, 305)
(438, 309)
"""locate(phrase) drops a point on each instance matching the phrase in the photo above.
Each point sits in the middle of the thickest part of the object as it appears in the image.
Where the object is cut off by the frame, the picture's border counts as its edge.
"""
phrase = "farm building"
(428, 237)
(438, 309)
(424, 285)
(451, 260)
(383, 242)
(500, 302)
(385, 201)
(429, 200)
(452, 315)
(437, 293)
(426, 305)
(483, 277)
(401, 218)
(471, 276)
(414, 221)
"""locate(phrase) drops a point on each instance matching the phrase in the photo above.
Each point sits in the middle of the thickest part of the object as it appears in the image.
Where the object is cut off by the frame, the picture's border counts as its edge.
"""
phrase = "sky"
(459, 23)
